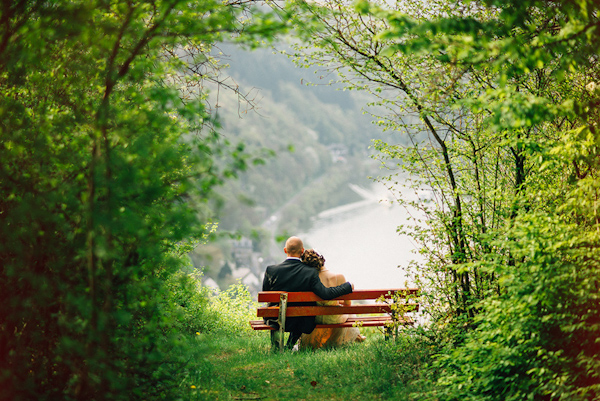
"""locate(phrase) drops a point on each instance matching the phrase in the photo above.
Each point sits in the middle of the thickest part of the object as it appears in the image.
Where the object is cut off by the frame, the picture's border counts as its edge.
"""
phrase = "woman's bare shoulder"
(333, 278)
(340, 279)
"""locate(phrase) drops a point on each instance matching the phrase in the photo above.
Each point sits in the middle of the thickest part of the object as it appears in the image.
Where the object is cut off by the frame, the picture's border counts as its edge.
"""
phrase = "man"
(293, 275)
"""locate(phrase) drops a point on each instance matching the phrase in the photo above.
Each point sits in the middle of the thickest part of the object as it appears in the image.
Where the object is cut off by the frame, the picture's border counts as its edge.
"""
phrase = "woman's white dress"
(329, 337)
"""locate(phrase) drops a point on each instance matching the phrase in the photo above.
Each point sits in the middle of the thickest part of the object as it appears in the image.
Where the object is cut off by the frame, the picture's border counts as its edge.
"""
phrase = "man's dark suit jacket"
(293, 275)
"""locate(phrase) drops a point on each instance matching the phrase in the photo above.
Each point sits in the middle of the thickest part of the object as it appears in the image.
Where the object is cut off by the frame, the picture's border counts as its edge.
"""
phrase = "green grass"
(245, 368)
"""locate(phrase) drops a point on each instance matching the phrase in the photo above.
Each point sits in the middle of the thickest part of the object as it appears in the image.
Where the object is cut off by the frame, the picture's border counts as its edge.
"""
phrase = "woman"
(328, 336)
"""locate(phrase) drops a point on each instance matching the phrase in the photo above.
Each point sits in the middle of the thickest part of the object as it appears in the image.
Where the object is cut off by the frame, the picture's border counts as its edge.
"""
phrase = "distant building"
(225, 271)
(242, 249)
(244, 266)
(338, 152)
(251, 281)
(240, 273)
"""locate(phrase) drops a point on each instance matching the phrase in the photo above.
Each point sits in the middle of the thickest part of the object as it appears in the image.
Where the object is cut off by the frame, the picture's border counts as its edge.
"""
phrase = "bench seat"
(287, 299)
(363, 321)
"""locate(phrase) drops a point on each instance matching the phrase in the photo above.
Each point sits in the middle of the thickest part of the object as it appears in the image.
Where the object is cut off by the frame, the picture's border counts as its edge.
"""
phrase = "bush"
(538, 339)
(188, 303)
(105, 171)
(234, 308)
(193, 308)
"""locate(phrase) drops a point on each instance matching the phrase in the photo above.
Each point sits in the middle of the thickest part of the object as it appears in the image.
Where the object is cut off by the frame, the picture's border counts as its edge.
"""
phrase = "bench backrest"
(273, 296)
(293, 310)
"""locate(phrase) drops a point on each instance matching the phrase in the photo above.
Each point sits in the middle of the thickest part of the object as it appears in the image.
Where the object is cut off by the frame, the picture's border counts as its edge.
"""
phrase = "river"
(361, 241)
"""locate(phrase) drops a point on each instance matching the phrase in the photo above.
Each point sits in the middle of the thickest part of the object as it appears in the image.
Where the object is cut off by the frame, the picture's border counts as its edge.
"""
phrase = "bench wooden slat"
(273, 311)
(384, 318)
(370, 321)
(273, 296)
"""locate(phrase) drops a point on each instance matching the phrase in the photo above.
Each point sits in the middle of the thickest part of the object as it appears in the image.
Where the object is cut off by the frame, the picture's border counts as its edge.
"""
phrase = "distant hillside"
(323, 126)
(320, 138)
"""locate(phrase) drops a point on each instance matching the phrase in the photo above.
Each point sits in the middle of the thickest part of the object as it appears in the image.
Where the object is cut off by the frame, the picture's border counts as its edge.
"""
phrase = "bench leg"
(275, 339)
(283, 298)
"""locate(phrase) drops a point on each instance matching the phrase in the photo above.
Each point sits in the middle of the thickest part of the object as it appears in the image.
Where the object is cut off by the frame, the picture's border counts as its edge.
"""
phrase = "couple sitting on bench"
(305, 271)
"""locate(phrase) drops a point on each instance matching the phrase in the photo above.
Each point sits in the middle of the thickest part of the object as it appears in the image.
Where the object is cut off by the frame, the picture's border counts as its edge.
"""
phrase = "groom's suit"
(293, 275)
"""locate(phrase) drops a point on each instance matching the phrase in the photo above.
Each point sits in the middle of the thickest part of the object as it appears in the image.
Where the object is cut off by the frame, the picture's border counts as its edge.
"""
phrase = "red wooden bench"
(390, 311)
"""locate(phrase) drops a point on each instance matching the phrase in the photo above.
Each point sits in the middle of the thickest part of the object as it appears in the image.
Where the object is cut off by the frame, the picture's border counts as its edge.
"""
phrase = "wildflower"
(192, 386)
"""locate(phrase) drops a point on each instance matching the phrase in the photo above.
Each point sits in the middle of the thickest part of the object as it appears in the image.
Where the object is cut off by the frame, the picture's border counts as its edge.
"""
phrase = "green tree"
(107, 151)
(441, 144)
(536, 338)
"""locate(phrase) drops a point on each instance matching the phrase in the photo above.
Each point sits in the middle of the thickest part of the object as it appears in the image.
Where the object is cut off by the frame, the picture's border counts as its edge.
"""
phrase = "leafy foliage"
(107, 156)
(537, 332)
(235, 308)
(538, 339)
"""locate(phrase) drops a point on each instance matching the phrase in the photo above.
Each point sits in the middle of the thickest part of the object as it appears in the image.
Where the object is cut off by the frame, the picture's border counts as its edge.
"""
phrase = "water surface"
(363, 243)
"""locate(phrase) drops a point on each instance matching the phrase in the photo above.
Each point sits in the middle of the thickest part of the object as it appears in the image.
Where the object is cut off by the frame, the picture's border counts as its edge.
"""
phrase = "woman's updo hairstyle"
(313, 259)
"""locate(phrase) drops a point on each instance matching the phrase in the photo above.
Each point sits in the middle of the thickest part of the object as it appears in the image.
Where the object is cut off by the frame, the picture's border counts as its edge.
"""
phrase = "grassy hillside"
(244, 368)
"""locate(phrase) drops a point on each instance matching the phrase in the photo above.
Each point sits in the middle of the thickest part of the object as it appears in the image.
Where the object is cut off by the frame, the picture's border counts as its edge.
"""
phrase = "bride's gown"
(328, 337)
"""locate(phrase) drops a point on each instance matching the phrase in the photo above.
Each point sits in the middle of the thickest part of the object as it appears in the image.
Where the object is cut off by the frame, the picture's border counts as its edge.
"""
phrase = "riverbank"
(244, 368)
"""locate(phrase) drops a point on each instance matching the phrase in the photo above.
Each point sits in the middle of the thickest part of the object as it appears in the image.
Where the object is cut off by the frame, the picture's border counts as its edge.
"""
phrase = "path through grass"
(244, 368)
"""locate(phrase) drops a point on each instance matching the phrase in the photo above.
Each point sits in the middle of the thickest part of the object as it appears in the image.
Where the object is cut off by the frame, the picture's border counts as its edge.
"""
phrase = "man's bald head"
(294, 247)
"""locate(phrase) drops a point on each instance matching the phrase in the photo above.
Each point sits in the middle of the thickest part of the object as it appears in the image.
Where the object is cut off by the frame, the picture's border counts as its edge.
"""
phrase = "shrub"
(234, 308)
(538, 339)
